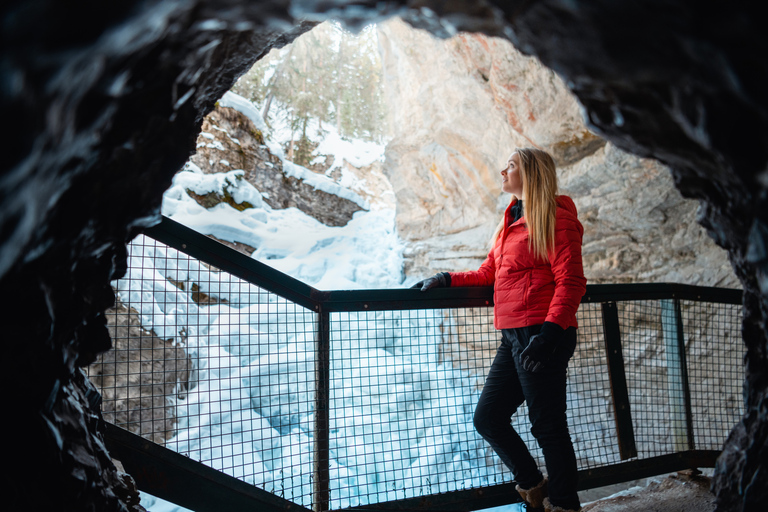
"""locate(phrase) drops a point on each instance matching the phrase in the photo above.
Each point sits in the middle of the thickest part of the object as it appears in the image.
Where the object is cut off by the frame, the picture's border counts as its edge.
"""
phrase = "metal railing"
(231, 384)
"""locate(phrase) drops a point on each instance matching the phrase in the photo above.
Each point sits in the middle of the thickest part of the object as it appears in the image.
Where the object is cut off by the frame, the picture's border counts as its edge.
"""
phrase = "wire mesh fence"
(212, 367)
(715, 355)
(223, 371)
(401, 413)
(689, 398)
(590, 405)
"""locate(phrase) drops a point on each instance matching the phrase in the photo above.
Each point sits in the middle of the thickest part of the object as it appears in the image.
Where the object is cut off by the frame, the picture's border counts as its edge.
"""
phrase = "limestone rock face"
(532, 99)
(440, 160)
(637, 226)
(442, 166)
(458, 108)
(229, 140)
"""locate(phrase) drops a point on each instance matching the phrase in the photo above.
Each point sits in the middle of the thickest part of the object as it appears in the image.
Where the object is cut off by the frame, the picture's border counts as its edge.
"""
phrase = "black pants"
(506, 387)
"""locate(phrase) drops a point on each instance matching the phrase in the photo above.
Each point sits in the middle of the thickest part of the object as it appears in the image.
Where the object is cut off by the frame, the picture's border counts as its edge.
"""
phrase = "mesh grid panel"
(714, 352)
(223, 371)
(212, 367)
(645, 363)
(656, 373)
(403, 389)
(590, 406)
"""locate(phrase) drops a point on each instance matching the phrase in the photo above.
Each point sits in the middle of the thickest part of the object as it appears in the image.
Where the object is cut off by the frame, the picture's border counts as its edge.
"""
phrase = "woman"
(538, 281)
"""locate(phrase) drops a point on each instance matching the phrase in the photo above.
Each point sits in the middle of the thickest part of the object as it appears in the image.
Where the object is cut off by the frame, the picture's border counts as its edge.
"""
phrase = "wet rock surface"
(106, 102)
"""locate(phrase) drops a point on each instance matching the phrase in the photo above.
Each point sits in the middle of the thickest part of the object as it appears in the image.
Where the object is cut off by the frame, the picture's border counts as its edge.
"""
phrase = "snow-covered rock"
(232, 138)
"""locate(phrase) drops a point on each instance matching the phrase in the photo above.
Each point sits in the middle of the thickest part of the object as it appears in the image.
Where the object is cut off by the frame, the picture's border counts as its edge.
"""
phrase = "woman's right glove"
(439, 280)
(541, 347)
(537, 353)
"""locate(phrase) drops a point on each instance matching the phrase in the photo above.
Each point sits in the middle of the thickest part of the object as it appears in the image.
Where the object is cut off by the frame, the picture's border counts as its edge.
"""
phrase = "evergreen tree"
(328, 75)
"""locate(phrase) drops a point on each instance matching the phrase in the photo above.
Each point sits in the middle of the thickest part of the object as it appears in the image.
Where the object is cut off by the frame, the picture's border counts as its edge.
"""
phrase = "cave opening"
(579, 151)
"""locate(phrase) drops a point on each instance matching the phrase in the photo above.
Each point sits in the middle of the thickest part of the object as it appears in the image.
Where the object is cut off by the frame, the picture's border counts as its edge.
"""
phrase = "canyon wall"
(460, 106)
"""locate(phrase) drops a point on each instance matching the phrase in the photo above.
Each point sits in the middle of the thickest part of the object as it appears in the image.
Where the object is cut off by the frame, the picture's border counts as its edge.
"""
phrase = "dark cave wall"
(105, 101)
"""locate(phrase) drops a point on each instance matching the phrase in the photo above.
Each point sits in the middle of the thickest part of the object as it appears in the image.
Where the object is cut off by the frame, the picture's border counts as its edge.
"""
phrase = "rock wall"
(444, 158)
(140, 377)
(229, 140)
(637, 226)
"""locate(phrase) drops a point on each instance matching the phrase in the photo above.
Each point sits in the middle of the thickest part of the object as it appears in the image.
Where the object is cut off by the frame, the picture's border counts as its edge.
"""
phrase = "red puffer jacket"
(527, 291)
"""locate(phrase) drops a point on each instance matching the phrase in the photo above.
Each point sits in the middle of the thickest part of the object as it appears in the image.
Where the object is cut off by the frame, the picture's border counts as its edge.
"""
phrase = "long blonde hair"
(539, 177)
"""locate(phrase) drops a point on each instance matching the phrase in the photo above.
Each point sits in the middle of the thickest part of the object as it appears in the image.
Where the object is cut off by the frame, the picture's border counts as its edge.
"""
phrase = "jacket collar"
(562, 202)
(508, 214)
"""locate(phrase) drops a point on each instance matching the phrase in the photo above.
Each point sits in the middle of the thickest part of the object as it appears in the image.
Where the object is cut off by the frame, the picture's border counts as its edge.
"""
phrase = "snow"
(320, 182)
(245, 107)
(366, 253)
(357, 153)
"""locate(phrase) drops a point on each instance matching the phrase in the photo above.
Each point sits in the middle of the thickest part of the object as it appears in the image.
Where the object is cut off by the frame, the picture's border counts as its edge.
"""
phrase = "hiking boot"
(535, 495)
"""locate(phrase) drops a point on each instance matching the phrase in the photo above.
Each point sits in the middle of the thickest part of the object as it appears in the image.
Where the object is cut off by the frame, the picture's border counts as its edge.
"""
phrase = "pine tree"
(327, 75)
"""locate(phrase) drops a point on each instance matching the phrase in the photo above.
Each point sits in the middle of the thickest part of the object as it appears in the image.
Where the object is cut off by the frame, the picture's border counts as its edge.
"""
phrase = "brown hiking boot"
(535, 495)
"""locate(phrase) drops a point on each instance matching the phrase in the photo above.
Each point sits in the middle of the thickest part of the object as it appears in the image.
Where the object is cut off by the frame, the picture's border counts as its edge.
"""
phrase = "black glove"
(441, 279)
(541, 347)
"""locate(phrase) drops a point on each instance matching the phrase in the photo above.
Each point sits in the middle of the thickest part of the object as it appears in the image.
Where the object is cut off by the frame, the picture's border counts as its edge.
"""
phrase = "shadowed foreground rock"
(104, 102)
(674, 493)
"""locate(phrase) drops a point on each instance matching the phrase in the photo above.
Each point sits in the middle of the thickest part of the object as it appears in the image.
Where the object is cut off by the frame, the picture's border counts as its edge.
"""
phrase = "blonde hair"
(539, 177)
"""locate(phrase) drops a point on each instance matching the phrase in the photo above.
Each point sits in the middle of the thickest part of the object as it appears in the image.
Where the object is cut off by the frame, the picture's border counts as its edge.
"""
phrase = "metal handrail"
(199, 246)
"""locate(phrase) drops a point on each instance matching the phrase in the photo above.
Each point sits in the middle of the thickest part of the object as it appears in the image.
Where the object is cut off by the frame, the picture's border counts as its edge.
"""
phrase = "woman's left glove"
(439, 280)
(541, 347)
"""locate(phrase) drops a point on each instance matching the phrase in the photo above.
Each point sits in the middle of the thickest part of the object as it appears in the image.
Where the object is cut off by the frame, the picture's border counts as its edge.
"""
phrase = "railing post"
(681, 418)
(621, 411)
(321, 447)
